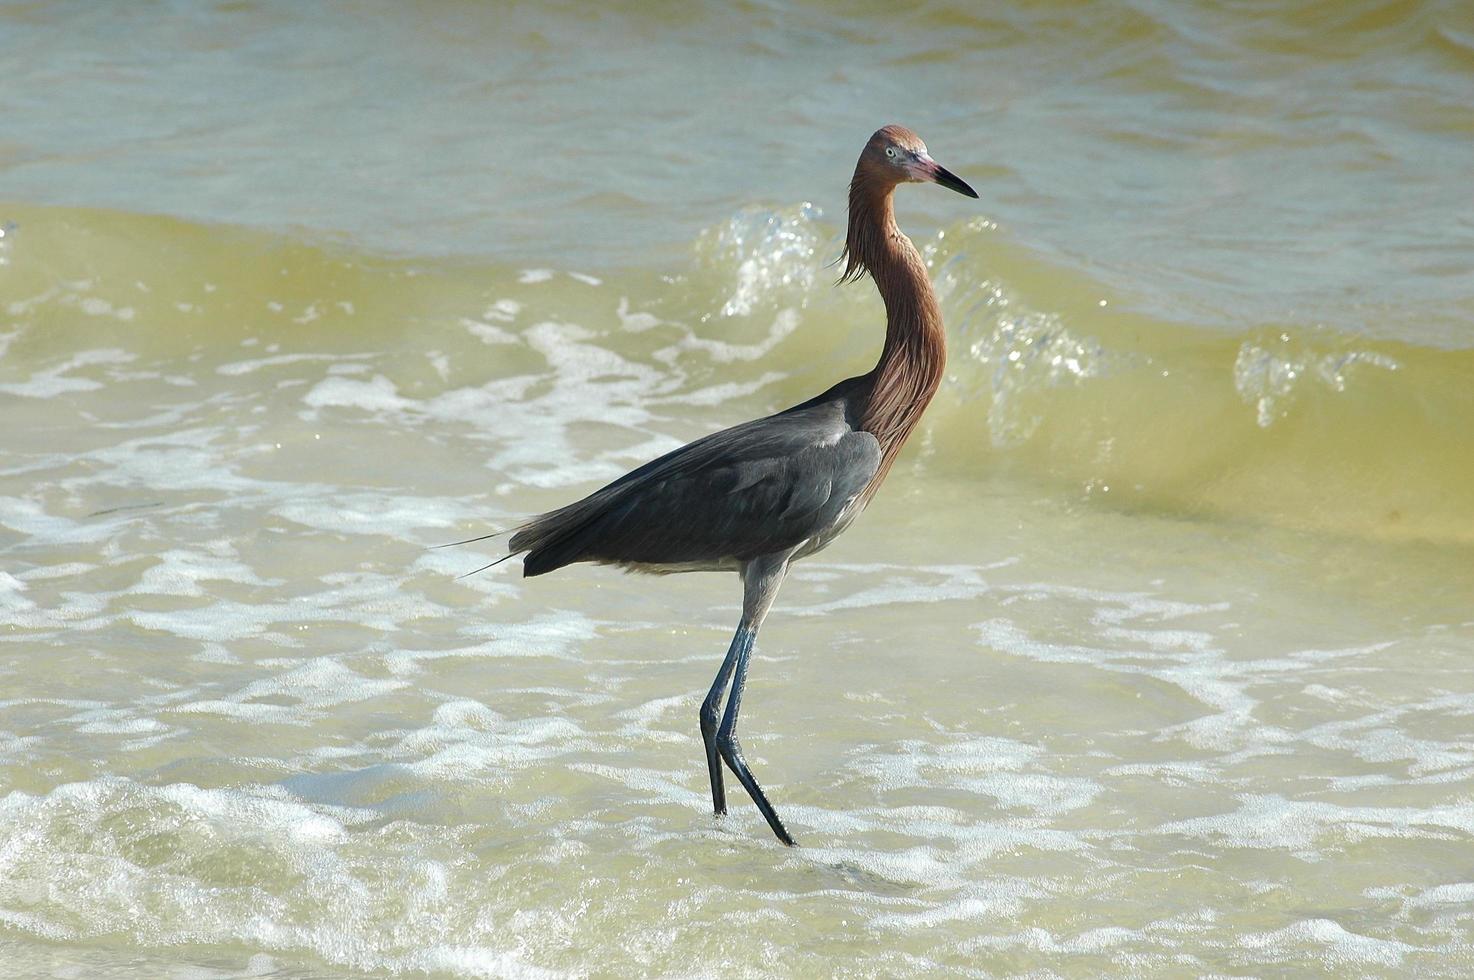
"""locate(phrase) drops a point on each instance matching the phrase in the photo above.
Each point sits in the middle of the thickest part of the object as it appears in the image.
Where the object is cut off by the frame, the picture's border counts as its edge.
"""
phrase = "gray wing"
(754, 489)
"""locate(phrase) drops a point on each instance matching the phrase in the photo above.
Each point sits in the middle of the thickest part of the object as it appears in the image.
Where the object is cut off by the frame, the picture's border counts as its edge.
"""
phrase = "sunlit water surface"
(1154, 657)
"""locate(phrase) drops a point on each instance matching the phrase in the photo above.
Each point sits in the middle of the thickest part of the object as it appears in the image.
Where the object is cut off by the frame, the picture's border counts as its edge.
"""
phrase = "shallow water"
(1152, 657)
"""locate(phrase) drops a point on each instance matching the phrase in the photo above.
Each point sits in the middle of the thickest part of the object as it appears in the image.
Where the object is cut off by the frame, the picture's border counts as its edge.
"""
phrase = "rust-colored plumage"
(898, 389)
(757, 496)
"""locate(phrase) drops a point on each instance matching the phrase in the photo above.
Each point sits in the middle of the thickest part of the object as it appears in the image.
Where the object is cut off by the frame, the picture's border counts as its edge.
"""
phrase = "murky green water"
(1155, 655)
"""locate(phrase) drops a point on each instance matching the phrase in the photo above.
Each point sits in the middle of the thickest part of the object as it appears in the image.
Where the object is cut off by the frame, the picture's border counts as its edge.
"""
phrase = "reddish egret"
(757, 496)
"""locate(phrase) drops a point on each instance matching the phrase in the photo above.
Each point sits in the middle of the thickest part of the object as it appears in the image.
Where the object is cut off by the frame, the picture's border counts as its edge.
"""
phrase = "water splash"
(1268, 378)
(771, 255)
(1028, 352)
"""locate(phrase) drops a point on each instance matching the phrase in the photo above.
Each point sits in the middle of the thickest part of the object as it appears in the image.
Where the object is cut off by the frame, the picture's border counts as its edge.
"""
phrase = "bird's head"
(895, 155)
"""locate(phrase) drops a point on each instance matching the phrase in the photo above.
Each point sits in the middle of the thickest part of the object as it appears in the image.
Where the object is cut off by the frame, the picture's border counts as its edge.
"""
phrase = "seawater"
(1151, 658)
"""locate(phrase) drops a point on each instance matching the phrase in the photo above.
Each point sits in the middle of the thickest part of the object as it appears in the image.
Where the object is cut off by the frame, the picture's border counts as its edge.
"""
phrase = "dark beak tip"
(951, 181)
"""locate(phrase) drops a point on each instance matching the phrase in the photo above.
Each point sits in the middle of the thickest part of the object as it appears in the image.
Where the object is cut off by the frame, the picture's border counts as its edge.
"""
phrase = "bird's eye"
(890, 151)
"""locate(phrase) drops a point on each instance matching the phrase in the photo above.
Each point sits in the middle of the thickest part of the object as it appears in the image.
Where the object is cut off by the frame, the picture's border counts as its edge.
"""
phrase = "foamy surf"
(246, 708)
(1151, 659)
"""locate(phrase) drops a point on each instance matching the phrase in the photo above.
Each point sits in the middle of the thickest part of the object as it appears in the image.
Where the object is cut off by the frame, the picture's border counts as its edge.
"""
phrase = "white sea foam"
(182, 573)
(59, 380)
(375, 395)
(238, 368)
(1303, 826)
(180, 863)
(784, 323)
(372, 513)
(480, 744)
(952, 585)
(308, 688)
(1337, 946)
(261, 716)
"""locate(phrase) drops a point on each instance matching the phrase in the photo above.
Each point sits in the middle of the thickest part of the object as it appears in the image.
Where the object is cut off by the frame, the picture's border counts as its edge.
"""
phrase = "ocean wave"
(1051, 377)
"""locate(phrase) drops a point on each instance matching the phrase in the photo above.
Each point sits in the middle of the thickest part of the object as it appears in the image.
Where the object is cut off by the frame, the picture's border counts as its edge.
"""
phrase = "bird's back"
(762, 487)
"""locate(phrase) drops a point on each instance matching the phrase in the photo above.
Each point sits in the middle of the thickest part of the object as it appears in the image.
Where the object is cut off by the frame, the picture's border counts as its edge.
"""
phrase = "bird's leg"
(760, 579)
(711, 713)
(731, 749)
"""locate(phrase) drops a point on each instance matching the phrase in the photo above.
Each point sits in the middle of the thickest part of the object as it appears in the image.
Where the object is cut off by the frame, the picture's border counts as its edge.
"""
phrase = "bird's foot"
(731, 751)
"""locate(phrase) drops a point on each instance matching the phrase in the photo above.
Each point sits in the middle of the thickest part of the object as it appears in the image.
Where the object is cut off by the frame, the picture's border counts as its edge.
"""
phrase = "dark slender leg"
(731, 750)
(711, 713)
(760, 580)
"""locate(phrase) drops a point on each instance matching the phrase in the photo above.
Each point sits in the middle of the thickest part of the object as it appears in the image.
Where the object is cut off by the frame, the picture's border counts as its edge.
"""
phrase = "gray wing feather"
(750, 490)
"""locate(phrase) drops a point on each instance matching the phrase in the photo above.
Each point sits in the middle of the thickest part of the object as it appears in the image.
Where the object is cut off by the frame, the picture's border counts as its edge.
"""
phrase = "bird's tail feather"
(486, 537)
(489, 565)
(483, 537)
(558, 537)
(549, 540)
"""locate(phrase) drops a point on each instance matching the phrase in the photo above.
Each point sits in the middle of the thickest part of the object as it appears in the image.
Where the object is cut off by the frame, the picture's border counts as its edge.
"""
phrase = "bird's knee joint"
(709, 717)
(728, 745)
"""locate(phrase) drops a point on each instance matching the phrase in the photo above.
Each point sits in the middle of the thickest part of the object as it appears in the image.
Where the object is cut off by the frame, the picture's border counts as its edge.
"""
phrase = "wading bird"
(757, 496)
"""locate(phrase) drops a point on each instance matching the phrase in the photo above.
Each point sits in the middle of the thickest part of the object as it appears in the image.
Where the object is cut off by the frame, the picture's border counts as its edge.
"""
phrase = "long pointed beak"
(938, 174)
(947, 178)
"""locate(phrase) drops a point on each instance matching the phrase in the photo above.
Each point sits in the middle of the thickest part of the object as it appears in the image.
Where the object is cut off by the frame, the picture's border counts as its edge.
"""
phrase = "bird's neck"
(915, 352)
